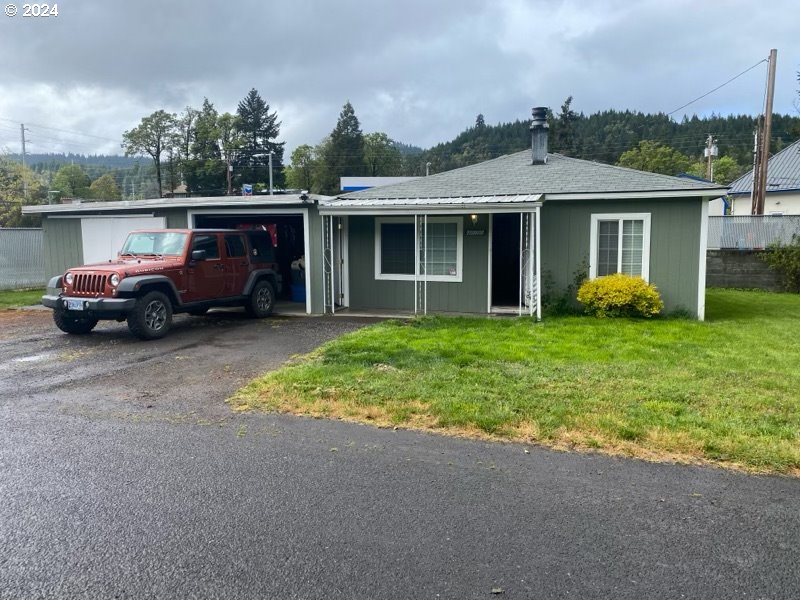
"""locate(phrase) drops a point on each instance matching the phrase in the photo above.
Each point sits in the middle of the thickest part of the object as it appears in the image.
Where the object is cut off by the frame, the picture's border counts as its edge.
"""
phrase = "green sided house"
(488, 238)
(493, 237)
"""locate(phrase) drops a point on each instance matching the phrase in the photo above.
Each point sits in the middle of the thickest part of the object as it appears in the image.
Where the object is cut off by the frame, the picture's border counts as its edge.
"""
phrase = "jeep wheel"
(151, 317)
(262, 300)
(71, 324)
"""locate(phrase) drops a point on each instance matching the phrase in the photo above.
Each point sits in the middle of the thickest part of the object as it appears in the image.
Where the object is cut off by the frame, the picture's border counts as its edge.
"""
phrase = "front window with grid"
(620, 244)
(438, 254)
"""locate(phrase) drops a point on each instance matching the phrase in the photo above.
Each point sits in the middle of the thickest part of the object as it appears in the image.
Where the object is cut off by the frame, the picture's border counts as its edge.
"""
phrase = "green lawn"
(726, 390)
(18, 298)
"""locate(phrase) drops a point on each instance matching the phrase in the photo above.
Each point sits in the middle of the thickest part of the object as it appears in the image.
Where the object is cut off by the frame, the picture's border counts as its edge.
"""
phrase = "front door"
(505, 260)
(206, 277)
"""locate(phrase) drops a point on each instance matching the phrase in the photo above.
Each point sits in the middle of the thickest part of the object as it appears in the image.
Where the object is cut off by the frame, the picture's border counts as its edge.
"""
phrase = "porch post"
(521, 264)
(416, 261)
(333, 266)
(538, 230)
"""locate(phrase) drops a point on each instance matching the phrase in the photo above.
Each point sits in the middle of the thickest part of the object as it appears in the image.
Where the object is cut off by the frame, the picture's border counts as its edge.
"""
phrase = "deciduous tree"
(299, 174)
(656, 158)
(381, 156)
(152, 137)
(104, 188)
(71, 181)
(14, 178)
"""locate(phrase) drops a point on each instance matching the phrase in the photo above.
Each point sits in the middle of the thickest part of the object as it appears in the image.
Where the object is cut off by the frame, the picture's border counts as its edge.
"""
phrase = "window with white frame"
(439, 253)
(620, 243)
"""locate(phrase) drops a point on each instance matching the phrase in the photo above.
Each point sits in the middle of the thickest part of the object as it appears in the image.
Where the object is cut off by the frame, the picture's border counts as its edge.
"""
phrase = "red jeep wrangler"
(162, 272)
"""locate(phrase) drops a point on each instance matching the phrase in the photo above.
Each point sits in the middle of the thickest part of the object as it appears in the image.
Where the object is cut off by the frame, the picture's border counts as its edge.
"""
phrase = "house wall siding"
(674, 245)
(466, 296)
(314, 261)
(63, 245)
(787, 203)
(63, 242)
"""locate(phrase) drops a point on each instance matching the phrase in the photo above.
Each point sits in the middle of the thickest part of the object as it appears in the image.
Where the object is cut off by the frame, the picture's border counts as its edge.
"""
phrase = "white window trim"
(457, 278)
(596, 218)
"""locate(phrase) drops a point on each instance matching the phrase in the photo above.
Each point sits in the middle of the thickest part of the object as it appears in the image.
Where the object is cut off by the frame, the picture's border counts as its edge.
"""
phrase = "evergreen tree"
(205, 171)
(343, 156)
(259, 129)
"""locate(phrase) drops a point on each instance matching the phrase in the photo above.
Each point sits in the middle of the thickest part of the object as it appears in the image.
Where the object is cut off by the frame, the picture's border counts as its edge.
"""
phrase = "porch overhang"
(430, 206)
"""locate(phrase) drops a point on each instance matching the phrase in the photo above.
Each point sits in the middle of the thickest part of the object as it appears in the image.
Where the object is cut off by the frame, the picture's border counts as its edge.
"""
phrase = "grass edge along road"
(12, 299)
(723, 391)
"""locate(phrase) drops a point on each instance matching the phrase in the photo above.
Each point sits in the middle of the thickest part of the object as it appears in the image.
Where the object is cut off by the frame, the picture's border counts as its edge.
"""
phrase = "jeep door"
(237, 265)
(205, 278)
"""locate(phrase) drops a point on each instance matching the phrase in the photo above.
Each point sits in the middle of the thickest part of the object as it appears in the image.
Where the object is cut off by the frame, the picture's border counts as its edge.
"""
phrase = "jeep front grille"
(89, 283)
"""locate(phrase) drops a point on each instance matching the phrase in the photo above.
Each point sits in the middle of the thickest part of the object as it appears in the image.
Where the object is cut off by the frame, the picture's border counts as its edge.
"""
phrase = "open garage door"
(289, 237)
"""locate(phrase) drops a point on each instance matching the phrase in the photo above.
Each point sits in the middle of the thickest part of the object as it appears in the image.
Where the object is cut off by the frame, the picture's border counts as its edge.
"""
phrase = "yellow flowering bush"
(620, 296)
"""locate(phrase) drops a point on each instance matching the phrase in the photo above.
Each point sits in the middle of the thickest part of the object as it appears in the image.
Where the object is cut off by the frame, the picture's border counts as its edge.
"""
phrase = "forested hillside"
(605, 135)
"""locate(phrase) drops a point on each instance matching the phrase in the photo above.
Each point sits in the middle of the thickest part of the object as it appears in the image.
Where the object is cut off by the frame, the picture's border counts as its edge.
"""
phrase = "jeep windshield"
(154, 243)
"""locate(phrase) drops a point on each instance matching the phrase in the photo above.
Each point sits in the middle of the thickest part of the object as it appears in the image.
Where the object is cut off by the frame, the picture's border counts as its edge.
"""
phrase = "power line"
(763, 60)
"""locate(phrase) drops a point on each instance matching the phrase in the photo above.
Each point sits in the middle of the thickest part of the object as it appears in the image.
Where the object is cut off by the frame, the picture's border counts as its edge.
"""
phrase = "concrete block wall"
(740, 269)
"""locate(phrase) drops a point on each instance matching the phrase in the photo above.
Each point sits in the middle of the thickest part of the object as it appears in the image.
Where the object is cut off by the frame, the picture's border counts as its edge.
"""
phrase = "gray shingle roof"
(783, 172)
(514, 175)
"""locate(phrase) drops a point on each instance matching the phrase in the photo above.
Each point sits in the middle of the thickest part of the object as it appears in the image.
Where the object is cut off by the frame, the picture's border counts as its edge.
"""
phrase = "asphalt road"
(124, 475)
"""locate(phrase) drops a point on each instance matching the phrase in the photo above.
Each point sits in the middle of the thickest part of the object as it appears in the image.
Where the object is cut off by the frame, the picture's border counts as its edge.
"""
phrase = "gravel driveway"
(124, 475)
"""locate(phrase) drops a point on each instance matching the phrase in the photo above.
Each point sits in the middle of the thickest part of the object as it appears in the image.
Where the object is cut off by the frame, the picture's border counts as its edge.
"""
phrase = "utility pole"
(22, 131)
(758, 205)
(711, 151)
(270, 172)
(756, 165)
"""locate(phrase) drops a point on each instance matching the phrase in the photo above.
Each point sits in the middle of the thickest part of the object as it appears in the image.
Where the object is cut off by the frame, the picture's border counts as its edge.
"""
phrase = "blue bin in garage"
(298, 293)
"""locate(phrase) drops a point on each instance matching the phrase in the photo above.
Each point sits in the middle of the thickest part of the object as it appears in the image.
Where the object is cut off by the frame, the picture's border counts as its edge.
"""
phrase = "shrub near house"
(620, 295)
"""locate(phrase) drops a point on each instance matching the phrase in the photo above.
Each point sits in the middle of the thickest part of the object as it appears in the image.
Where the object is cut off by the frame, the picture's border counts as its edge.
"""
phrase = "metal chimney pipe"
(539, 132)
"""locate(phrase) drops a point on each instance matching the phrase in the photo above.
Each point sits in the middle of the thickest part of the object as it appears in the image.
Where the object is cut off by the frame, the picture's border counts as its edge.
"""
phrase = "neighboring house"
(354, 184)
(717, 207)
(488, 238)
(782, 195)
(495, 236)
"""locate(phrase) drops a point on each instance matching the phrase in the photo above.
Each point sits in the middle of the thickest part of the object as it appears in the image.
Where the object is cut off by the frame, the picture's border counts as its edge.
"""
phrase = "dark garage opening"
(505, 259)
(288, 238)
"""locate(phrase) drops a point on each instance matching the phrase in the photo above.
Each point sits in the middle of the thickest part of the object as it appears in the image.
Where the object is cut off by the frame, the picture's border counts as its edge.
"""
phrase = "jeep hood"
(130, 266)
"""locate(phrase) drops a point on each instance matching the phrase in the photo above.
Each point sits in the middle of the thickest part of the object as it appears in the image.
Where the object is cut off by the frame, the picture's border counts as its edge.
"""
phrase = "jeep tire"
(151, 317)
(262, 300)
(69, 323)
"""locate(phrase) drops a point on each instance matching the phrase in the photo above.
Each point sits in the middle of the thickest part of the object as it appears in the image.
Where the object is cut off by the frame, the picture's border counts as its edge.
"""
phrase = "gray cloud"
(418, 70)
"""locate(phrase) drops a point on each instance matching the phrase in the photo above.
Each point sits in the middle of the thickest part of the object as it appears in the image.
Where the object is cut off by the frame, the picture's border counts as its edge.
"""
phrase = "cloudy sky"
(419, 70)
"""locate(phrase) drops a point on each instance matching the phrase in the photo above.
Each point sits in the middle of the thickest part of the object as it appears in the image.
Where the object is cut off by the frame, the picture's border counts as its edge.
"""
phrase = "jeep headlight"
(114, 280)
(68, 278)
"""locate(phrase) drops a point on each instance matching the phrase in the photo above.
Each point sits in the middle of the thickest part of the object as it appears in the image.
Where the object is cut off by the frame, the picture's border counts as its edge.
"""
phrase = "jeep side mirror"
(198, 254)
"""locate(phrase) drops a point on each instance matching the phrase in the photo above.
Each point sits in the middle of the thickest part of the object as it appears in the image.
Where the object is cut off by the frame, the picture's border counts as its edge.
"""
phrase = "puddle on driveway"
(34, 358)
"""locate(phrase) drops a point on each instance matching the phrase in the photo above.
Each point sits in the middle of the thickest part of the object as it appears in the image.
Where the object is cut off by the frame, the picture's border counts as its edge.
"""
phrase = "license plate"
(74, 304)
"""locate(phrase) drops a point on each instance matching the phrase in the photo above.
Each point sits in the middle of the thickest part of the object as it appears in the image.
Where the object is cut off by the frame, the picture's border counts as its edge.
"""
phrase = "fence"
(751, 232)
(21, 259)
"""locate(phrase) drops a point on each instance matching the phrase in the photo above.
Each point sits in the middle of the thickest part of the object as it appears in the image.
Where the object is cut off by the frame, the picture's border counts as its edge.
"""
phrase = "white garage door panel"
(103, 236)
